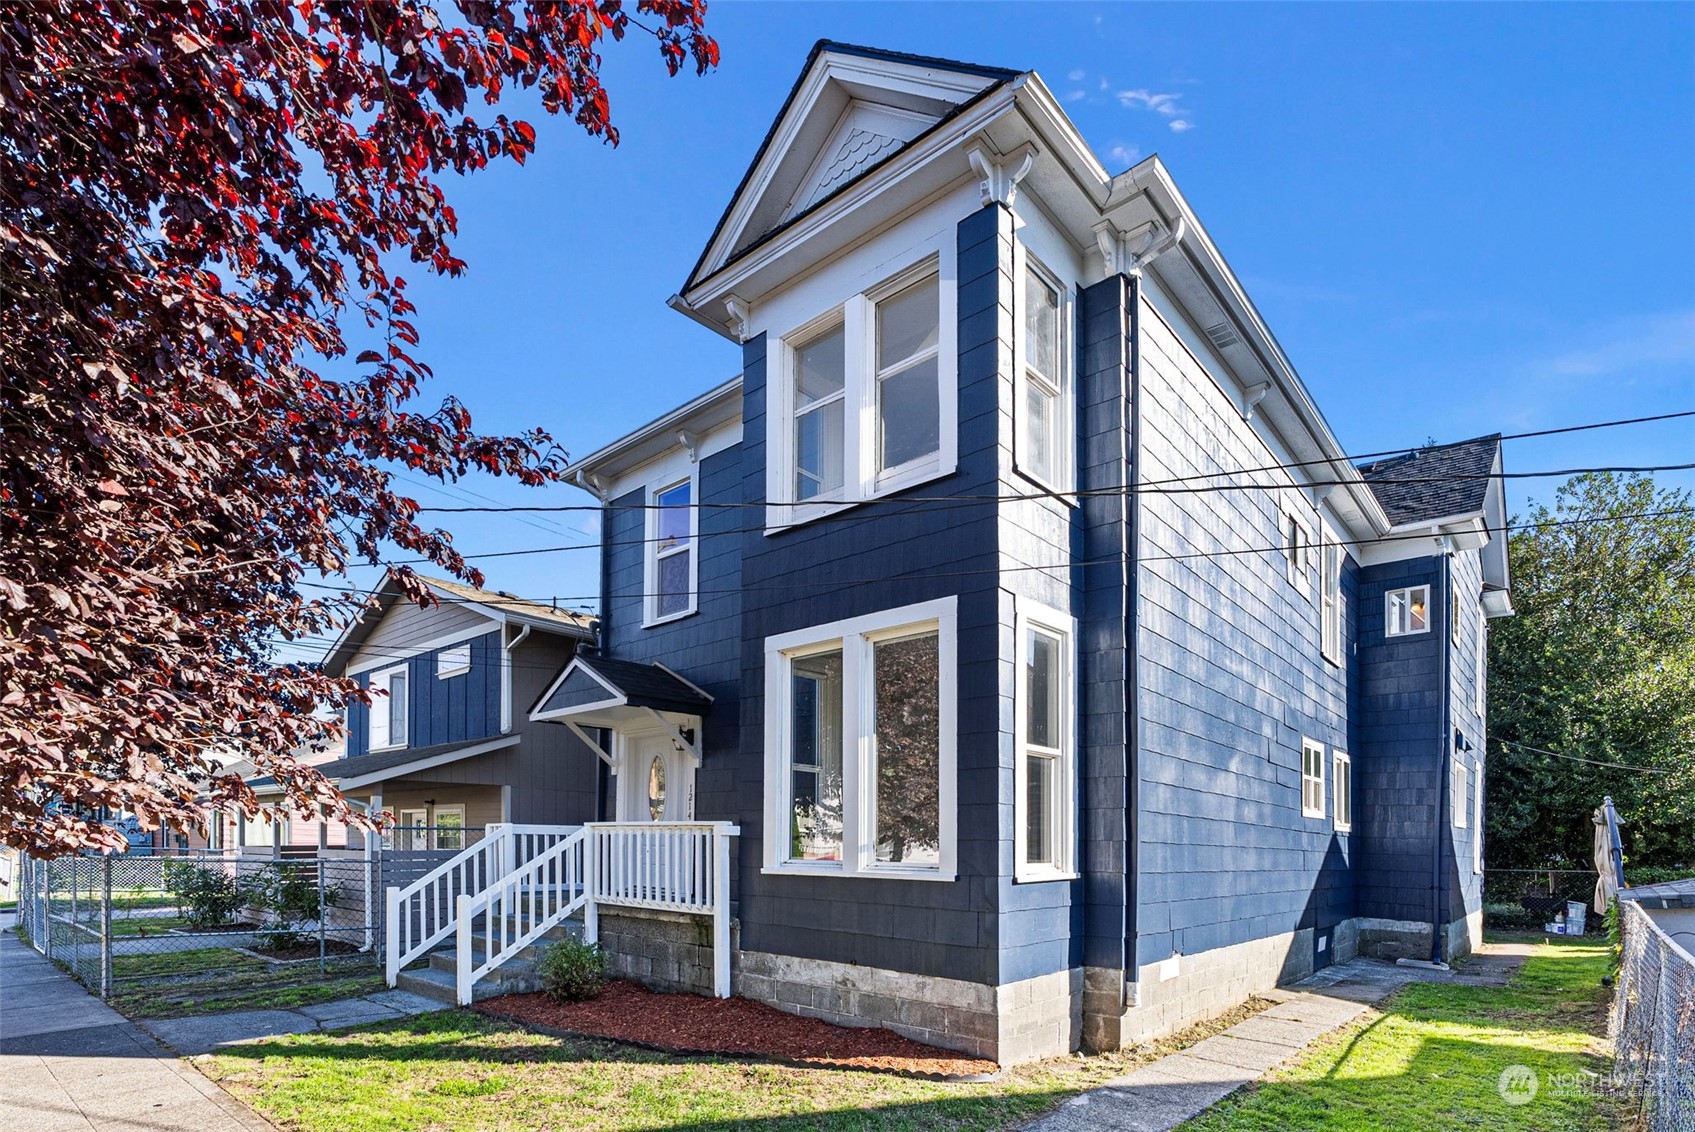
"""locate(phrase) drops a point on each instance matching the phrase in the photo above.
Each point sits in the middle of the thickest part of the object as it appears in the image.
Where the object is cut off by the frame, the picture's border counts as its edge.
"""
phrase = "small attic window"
(1406, 611)
(454, 660)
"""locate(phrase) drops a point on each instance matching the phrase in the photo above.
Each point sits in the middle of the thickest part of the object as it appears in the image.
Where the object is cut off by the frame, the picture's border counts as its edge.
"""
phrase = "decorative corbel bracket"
(741, 312)
(1251, 397)
(998, 177)
(691, 442)
(1127, 253)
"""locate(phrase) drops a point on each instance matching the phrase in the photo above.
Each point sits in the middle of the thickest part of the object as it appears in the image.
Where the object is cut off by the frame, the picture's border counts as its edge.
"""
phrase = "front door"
(658, 783)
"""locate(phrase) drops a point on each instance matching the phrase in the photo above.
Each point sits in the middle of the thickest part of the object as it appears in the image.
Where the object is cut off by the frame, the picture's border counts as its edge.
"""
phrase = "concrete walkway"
(1163, 1094)
(208, 1032)
(70, 1063)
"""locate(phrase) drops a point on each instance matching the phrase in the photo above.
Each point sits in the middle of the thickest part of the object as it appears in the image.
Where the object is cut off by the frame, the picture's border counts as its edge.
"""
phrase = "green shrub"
(287, 895)
(572, 969)
(1511, 918)
(209, 898)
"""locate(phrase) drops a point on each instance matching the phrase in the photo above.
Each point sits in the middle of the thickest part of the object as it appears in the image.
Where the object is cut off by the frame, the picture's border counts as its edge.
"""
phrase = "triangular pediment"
(852, 109)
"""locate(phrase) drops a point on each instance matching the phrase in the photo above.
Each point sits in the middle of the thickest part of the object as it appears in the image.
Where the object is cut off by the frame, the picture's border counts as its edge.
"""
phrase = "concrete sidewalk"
(207, 1032)
(70, 1063)
(1161, 1095)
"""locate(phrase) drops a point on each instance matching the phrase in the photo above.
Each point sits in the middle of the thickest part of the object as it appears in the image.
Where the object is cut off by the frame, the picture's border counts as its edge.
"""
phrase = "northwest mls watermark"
(1520, 1084)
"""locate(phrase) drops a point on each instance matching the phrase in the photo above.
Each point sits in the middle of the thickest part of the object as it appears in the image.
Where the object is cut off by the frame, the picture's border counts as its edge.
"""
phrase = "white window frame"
(856, 314)
(1316, 749)
(1063, 811)
(1457, 787)
(436, 827)
(454, 660)
(1477, 818)
(1295, 536)
(651, 554)
(1342, 789)
(856, 636)
(416, 820)
(1406, 592)
(1064, 480)
(383, 704)
(1332, 558)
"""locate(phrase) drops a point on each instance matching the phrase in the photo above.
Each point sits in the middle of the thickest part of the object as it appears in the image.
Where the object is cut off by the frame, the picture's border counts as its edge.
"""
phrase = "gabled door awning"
(623, 695)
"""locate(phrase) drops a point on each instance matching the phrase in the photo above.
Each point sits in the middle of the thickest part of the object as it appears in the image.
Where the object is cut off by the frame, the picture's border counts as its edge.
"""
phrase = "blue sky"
(1456, 219)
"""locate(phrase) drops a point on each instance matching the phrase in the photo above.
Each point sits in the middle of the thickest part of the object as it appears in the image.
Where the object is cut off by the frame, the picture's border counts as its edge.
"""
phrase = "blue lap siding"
(454, 710)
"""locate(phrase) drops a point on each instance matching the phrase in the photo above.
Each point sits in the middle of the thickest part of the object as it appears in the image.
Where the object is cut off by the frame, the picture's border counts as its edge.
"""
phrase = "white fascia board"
(709, 412)
(1422, 539)
(673, 464)
(616, 696)
(909, 167)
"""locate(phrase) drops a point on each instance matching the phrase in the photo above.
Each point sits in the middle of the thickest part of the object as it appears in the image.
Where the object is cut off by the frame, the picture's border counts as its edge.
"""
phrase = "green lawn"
(1434, 1057)
(207, 980)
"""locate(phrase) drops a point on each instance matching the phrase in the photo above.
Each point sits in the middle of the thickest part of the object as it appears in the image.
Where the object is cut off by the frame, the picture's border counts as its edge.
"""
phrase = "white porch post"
(721, 912)
(591, 884)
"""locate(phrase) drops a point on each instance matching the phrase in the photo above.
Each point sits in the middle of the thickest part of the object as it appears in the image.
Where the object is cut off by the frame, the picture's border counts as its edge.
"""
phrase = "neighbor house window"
(450, 827)
(388, 708)
(1312, 779)
(671, 563)
(863, 397)
(1477, 822)
(412, 830)
(1406, 611)
(1462, 803)
(1330, 597)
(859, 743)
(1044, 440)
(455, 660)
(1342, 786)
(1045, 775)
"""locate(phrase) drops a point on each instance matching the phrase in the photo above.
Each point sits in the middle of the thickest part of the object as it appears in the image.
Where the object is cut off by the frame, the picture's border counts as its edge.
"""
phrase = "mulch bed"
(303, 950)
(691, 1023)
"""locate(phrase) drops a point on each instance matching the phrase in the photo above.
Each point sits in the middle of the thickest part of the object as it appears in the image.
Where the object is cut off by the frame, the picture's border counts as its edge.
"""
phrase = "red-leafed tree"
(203, 206)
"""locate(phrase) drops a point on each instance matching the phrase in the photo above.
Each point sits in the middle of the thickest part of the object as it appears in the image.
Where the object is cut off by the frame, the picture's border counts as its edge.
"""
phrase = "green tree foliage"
(1599, 664)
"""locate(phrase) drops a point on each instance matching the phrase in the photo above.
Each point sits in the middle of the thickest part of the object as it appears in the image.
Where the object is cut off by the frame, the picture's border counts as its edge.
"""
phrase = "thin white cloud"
(1075, 95)
(1181, 125)
(1630, 344)
(1159, 103)
(1078, 75)
(1125, 155)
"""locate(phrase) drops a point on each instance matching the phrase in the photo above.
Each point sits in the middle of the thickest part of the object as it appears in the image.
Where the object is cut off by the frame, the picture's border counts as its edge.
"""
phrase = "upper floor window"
(1462, 803)
(1406, 611)
(1330, 599)
(1045, 775)
(1044, 438)
(859, 741)
(1312, 779)
(388, 713)
(1342, 787)
(1296, 538)
(455, 660)
(671, 565)
(863, 398)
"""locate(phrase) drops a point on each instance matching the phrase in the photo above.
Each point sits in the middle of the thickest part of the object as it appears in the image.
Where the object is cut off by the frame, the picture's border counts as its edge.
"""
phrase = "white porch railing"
(423, 913)
(518, 909)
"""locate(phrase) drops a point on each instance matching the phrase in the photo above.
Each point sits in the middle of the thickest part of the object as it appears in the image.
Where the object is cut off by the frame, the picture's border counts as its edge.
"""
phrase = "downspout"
(1132, 637)
(1438, 856)
(509, 717)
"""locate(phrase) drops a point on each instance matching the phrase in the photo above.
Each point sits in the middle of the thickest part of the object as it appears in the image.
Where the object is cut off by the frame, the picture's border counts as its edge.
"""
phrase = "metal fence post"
(321, 914)
(105, 926)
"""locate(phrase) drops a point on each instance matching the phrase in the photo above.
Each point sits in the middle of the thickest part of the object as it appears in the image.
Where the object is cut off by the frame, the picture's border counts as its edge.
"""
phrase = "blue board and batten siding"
(455, 710)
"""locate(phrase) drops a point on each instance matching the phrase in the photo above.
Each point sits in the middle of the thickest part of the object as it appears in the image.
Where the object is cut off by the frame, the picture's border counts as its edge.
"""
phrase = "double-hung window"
(1312, 779)
(1342, 786)
(1330, 598)
(1296, 537)
(860, 745)
(671, 562)
(388, 708)
(1044, 437)
(1462, 803)
(1045, 774)
(1406, 611)
(863, 397)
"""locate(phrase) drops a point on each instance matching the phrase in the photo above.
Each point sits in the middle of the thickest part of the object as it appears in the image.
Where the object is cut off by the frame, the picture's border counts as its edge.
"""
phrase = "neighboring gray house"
(1066, 679)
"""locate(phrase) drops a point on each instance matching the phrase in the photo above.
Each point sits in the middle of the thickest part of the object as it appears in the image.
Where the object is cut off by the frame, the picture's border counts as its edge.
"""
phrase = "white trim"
(1063, 813)
(403, 769)
(1480, 667)
(1477, 819)
(856, 636)
(855, 311)
(435, 826)
(1407, 592)
(1332, 622)
(1342, 788)
(651, 553)
(386, 706)
(392, 655)
(1311, 746)
(675, 462)
(1025, 263)
(1457, 788)
(455, 669)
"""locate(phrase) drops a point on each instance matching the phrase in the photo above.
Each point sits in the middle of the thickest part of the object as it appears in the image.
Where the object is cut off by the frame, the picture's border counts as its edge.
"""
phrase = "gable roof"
(592, 686)
(1434, 483)
(496, 605)
(851, 109)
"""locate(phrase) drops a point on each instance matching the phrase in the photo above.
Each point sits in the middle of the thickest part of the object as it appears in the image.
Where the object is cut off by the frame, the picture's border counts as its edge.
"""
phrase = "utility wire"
(1578, 759)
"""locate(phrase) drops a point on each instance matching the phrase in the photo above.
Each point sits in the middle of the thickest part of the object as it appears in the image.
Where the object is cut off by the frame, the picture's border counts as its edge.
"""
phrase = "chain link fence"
(1653, 1023)
(170, 932)
(1527, 900)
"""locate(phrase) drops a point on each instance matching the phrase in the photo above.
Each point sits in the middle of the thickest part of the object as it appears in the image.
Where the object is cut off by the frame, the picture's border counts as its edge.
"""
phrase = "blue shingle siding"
(454, 710)
(1231, 680)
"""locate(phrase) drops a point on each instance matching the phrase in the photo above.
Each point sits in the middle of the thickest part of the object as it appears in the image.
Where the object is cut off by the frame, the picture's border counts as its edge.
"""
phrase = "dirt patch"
(302, 951)
(690, 1023)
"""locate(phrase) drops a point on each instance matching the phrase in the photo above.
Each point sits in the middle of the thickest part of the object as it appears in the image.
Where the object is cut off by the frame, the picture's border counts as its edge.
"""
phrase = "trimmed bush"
(572, 970)
(210, 898)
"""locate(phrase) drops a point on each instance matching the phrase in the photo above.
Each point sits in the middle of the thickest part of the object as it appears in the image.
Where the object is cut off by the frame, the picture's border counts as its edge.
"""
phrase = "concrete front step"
(442, 986)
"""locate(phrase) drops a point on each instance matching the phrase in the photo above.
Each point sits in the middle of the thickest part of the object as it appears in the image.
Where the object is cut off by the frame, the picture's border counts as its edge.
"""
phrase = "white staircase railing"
(518, 909)
(423, 913)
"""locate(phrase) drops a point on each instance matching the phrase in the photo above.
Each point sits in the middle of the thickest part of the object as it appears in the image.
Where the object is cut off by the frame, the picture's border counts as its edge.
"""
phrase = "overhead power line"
(1578, 759)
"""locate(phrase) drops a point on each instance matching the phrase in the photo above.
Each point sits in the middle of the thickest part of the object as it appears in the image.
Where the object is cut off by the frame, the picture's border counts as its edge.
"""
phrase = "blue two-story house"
(1067, 680)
